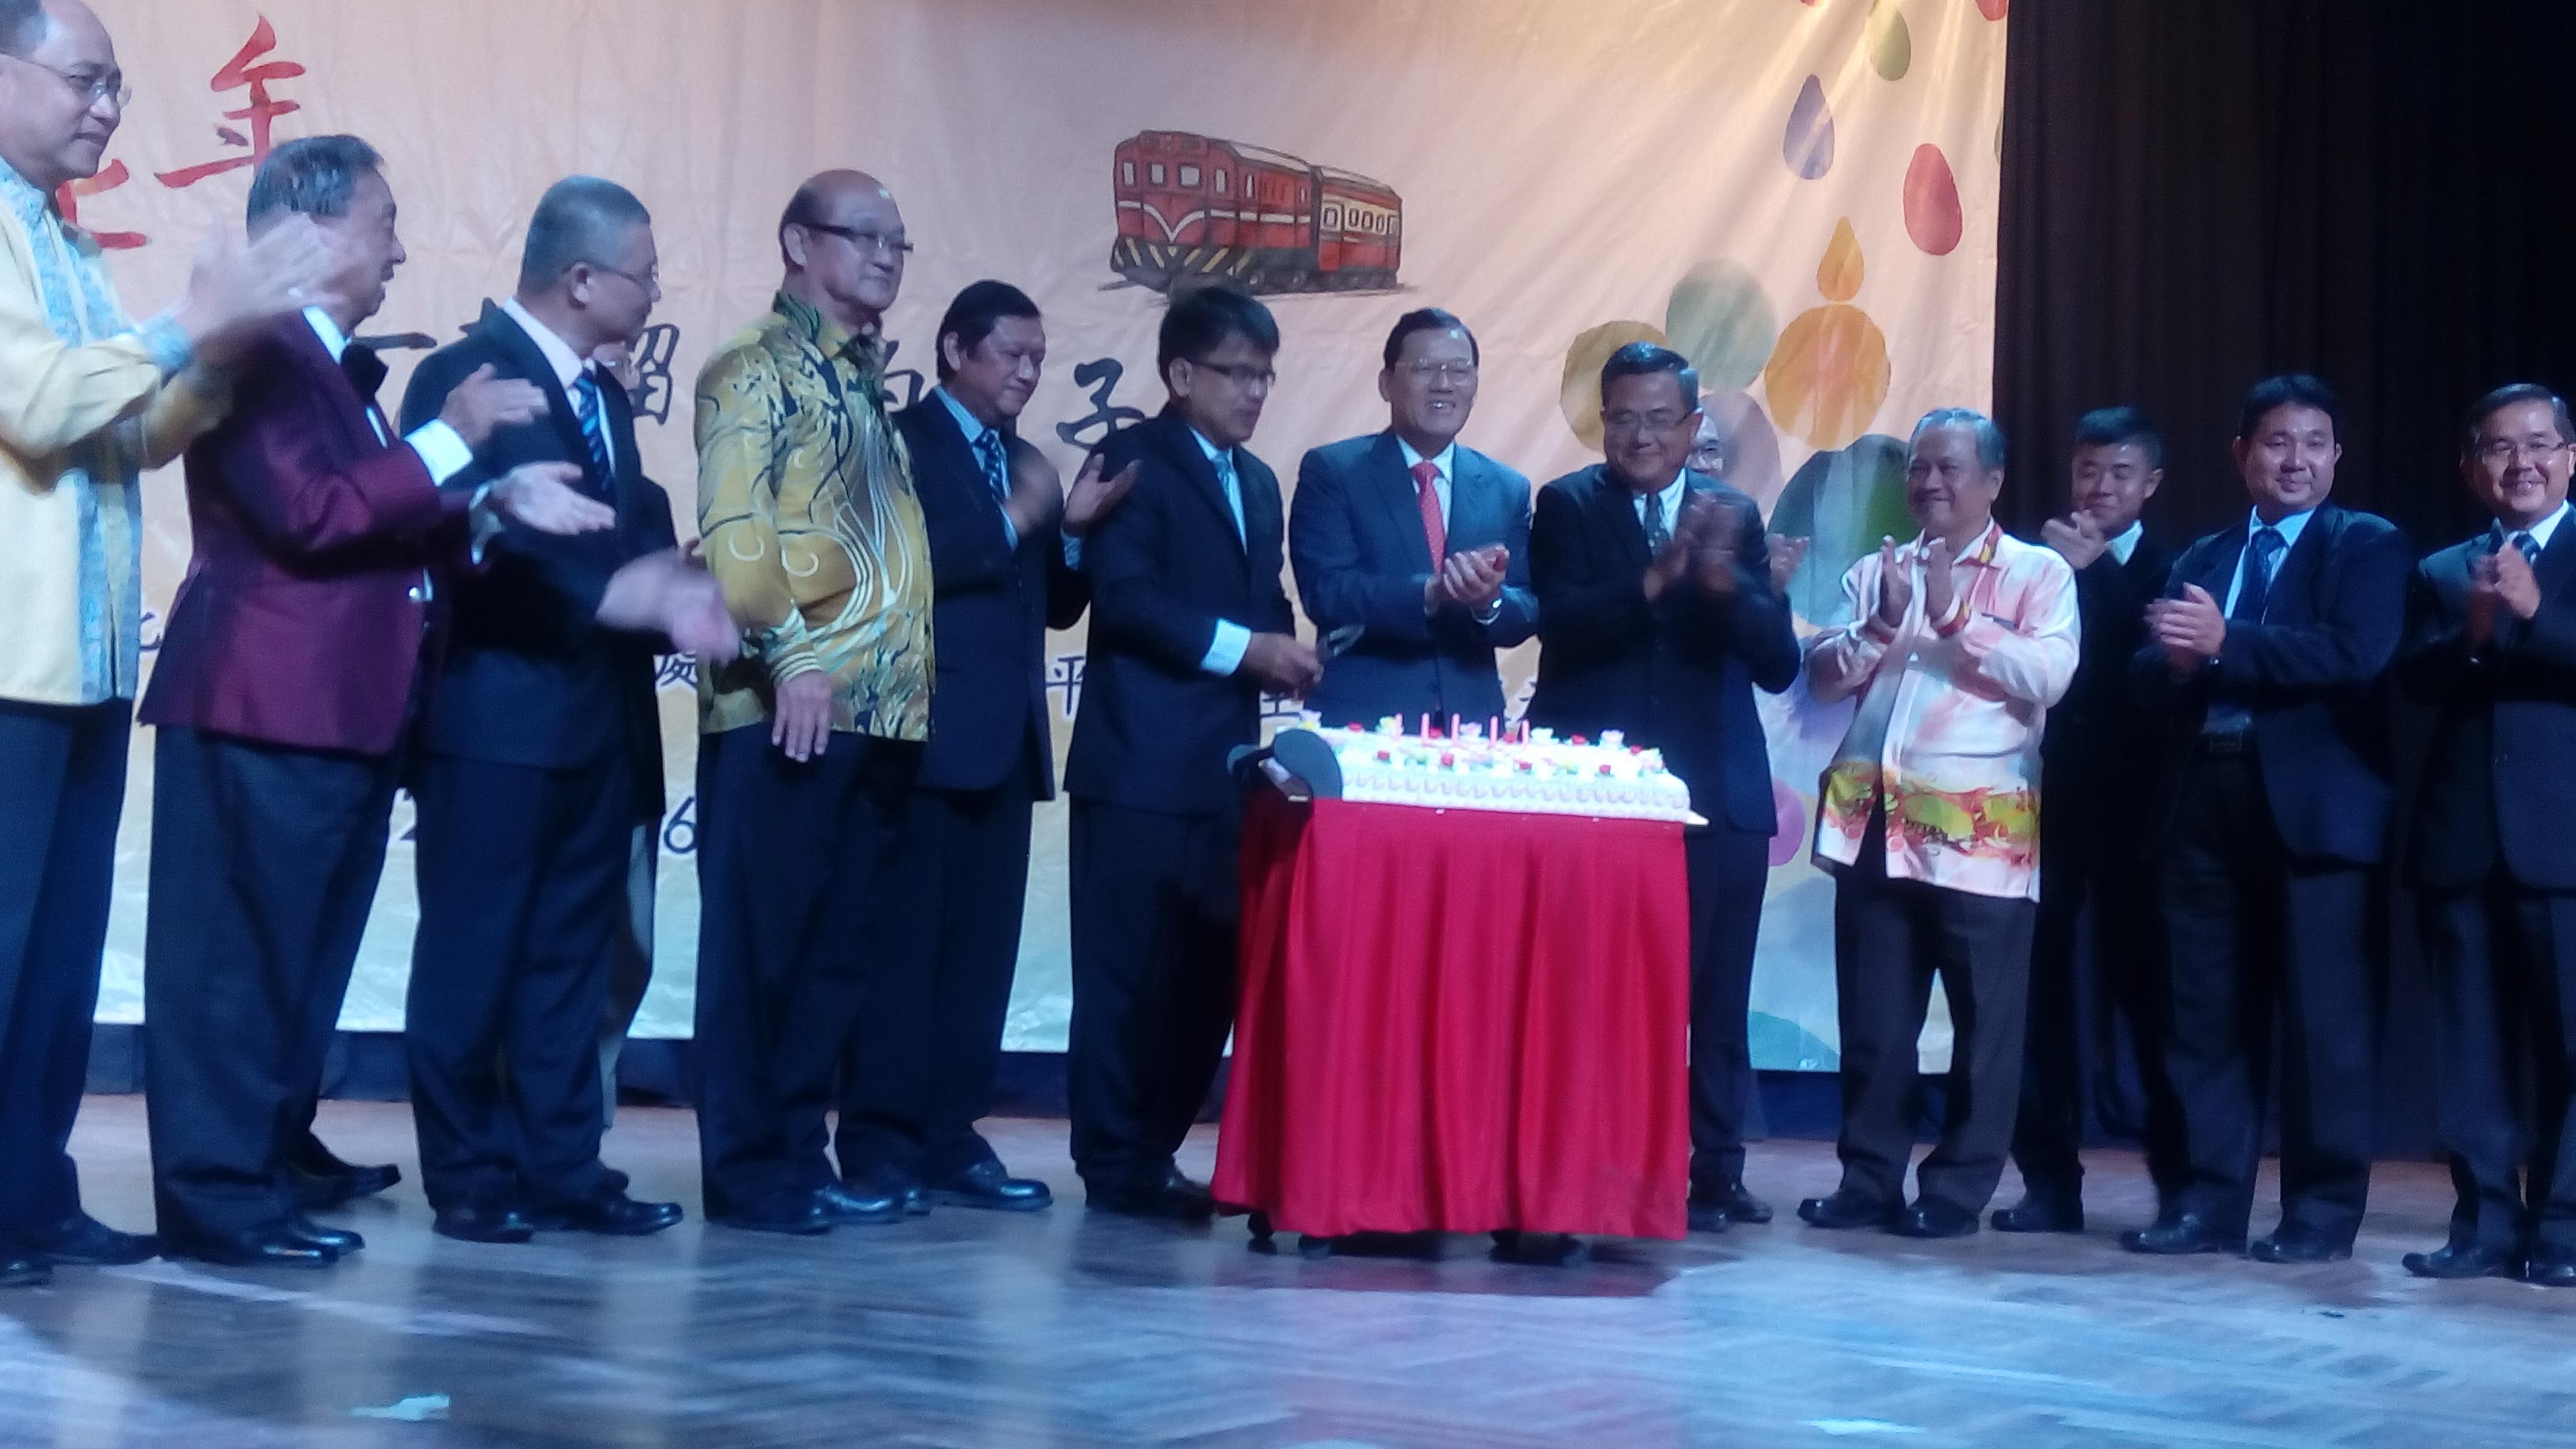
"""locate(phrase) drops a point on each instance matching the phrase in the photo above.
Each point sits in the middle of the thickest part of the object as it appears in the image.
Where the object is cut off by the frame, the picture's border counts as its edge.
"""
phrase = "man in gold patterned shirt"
(810, 740)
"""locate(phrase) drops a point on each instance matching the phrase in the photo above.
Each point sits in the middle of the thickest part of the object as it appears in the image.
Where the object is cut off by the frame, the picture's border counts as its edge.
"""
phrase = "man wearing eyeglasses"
(809, 744)
(88, 400)
(1417, 541)
(541, 755)
(1658, 617)
(1189, 625)
(2491, 645)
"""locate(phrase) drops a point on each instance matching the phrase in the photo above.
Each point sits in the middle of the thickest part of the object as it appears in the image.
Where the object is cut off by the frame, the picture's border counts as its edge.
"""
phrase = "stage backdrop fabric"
(1799, 196)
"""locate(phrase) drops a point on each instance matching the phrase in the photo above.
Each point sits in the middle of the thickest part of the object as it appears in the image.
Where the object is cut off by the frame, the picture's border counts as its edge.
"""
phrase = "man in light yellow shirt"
(87, 401)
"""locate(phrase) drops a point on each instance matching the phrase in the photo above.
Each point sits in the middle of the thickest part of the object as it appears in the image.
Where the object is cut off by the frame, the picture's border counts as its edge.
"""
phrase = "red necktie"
(1426, 493)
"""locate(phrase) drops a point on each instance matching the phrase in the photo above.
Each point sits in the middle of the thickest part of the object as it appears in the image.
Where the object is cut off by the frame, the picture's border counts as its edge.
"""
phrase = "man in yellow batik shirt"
(87, 401)
(810, 740)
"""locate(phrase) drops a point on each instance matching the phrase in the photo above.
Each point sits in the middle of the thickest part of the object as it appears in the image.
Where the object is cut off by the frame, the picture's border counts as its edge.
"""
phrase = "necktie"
(1233, 491)
(2529, 546)
(1426, 496)
(594, 425)
(1657, 534)
(996, 463)
(2262, 554)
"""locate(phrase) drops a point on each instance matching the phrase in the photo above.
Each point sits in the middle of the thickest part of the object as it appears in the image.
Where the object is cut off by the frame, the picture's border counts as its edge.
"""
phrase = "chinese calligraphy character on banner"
(652, 354)
(112, 177)
(261, 113)
(1101, 375)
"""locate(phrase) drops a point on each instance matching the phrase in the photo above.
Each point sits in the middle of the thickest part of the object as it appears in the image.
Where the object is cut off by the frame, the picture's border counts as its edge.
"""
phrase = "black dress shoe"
(484, 1225)
(2550, 1269)
(25, 1270)
(317, 1192)
(260, 1248)
(989, 1185)
(1714, 1207)
(1175, 1198)
(842, 1205)
(2464, 1260)
(86, 1242)
(2181, 1234)
(611, 1217)
(1844, 1208)
(2290, 1243)
(1930, 1219)
(339, 1240)
(799, 1214)
(1707, 1217)
(887, 1180)
(1540, 1250)
(2040, 1213)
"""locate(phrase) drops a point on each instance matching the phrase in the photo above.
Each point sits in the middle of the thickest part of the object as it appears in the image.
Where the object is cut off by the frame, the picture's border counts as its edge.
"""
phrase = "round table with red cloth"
(1459, 1021)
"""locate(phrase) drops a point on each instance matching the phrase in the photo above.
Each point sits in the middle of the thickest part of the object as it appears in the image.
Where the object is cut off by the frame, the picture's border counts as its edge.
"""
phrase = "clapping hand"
(2516, 587)
(541, 496)
(1786, 554)
(2192, 629)
(2485, 598)
(1940, 588)
(1895, 587)
(1472, 579)
(1094, 496)
(2077, 539)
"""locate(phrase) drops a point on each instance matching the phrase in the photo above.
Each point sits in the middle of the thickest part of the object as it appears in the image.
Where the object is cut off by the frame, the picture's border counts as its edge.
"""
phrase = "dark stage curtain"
(2197, 193)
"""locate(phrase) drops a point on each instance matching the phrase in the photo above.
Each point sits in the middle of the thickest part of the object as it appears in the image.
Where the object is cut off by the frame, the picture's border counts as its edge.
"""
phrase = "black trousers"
(523, 896)
(794, 867)
(2257, 940)
(264, 867)
(1157, 904)
(1891, 938)
(62, 788)
(2504, 960)
(2096, 984)
(1727, 870)
(923, 1056)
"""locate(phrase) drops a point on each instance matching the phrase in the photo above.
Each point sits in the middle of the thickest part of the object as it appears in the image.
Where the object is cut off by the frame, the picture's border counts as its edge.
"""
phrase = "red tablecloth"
(1459, 1020)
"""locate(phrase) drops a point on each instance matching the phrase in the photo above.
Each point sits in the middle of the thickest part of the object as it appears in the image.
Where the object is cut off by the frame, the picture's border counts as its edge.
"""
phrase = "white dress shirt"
(441, 448)
(1225, 649)
(2127, 543)
(569, 367)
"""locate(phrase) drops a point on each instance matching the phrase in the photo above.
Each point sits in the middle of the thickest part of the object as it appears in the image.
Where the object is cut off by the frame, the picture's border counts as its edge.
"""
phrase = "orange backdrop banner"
(1798, 194)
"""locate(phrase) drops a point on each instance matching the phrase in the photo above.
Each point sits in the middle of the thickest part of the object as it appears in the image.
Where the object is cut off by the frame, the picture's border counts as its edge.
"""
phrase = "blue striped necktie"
(594, 427)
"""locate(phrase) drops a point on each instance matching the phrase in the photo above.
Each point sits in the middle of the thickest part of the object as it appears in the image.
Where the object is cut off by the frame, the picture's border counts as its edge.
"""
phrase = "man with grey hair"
(290, 676)
(88, 400)
(541, 754)
(1956, 646)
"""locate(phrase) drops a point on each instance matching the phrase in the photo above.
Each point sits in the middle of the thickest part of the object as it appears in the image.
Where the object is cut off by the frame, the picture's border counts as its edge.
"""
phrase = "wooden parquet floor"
(974, 1329)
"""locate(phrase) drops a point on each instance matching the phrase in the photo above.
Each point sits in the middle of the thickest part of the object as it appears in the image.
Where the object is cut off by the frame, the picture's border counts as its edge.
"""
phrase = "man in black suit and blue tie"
(1004, 559)
(2492, 647)
(541, 752)
(1189, 625)
(1417, 542)
(2263, 665)
(1658, 617)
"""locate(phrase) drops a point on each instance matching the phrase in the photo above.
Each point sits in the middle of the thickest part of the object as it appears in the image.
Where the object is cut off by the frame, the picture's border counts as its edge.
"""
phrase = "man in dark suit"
(1658, 617)
(1189, 626)
(2492, 647)
(289, 674)
(1416, 541)
(2263, 666)
(540, 753)
(1004, 550)
(2091, 814)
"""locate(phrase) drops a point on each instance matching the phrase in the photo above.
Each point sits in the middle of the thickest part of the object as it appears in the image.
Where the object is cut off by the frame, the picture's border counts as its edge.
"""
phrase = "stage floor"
(971, 1329)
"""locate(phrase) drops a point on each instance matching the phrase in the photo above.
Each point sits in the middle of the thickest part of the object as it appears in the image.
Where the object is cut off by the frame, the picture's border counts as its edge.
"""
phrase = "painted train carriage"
(1192, 207)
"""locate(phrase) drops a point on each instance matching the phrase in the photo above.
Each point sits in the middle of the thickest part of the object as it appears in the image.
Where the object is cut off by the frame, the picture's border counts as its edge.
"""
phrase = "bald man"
(810, 741)
(87, 401)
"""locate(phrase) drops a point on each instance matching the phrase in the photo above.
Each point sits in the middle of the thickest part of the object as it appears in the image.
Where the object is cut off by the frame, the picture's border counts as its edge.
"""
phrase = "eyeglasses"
(105, 85)
(894, 245)
(1428, 371)
(1241, 374)
(650, 281)
(1628, 422)
(2510, 451)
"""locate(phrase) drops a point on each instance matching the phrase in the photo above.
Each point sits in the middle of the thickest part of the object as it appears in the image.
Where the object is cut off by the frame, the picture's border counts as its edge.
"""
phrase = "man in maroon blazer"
(288, 677)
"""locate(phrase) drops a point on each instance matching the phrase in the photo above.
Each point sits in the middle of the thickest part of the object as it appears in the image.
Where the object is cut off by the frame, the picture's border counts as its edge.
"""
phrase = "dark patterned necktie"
(1657, 535)
(594, 425)
(2262, 555)
(996, 463)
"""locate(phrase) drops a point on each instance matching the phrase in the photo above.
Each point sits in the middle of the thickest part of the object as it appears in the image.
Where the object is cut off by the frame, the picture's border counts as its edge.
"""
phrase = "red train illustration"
(1197, 208)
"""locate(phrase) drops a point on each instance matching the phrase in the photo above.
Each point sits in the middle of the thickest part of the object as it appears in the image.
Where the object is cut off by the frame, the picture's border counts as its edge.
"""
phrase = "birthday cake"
(1529, 772)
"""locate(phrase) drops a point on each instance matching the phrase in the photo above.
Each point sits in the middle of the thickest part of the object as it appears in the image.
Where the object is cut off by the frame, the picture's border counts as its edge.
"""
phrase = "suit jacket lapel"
(1181, 449)
(1619, 510)
(2557, 562)
(355, 413)
(1392, 482)
(522, 351)
(960, 459)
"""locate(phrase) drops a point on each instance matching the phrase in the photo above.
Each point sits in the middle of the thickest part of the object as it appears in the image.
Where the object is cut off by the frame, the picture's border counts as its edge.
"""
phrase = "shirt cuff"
(170, 349)
(1073, 553)
(1225, 651)
(482, 518)
(442, 450)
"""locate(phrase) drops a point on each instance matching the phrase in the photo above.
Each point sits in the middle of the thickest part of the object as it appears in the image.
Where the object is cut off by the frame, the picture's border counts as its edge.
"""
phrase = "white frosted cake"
(1536, 775)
